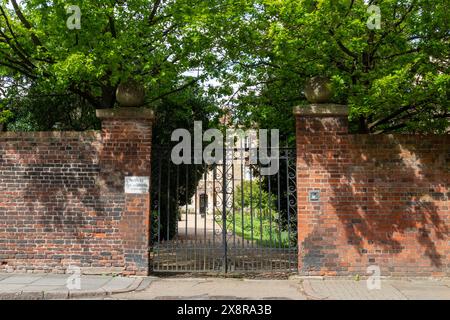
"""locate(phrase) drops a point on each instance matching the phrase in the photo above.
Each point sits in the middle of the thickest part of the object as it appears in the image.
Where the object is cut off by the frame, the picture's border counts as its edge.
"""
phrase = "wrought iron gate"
(225, 217)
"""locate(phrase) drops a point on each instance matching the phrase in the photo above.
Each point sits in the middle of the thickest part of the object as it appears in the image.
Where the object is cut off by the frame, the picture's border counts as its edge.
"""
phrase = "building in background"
(209, 193)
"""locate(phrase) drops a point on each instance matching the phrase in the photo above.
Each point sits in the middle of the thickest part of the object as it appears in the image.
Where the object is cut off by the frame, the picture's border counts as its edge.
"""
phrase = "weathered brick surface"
(126, 152)
(62, 200)
(384, 201)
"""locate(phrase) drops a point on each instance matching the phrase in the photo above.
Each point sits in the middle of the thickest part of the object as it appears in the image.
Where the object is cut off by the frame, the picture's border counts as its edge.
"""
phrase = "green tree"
(394, 79)
(256, 218)
(251, 196)
(5, 112)
(155, 42)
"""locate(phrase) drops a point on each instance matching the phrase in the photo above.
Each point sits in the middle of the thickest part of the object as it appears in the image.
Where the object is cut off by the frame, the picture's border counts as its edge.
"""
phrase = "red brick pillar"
(318, 131)
(126, 140)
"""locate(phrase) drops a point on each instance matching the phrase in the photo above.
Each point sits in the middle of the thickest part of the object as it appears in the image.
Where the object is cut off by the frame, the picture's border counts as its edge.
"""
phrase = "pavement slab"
(20, 279)
(8, 287)
(349, 290)
(118, 283)
(49, 286)
(3, 276)
(51, 281)
(41, 288)
(423, 289)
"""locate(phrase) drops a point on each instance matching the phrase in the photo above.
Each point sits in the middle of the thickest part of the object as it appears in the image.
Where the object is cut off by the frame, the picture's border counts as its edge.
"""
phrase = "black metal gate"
(225, 217)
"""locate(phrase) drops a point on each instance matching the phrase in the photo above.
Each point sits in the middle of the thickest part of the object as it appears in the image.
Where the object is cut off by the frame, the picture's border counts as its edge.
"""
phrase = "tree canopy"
(395, 79)
(155, 42)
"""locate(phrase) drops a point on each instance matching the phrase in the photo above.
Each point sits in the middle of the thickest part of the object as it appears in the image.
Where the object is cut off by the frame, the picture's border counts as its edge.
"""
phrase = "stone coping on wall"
(322, 110)
(92, 135)
(126, 113)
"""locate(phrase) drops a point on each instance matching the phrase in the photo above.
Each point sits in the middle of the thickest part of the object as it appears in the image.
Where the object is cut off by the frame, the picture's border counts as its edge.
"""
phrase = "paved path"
(204, 227)
(51, 286)
(294, 289)
(198, 228)
(412, 289)
(217, 289)
(54, 286)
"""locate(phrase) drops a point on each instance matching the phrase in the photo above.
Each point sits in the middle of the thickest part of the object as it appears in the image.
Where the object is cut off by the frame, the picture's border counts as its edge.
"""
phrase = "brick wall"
(384, 200)
(62, 198)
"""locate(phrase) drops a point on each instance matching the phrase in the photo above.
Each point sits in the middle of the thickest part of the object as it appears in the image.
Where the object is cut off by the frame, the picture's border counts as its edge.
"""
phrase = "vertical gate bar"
(232, 197)
(288, 205)
(251, 205)
(270, 210)
(196, 207)
(177, 211)
(187, 201)
(195, 243)
(205, 198)
(205, 203)
(270, 249)
(177, 201)
(294, 251)
(194, 249)
(224, 212)
(242, 194)
(214, 204)
(259, 246)
(168, 202)
(159, 200)
(260, 211)
(168, 218)
(172, 251)
(189, 254)
(279, 208)
(159, 211)
(186, 239)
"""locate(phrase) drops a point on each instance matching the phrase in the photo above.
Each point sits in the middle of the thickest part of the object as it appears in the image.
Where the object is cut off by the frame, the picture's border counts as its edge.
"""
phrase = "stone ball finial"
(318, 90)
(130, 94)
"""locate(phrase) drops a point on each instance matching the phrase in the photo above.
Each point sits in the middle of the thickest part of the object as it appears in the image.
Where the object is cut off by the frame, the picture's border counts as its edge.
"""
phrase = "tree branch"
(19, 48)
(112, 26)
(342, 46)
(398, 54)
(21, 71)
(86, 95)
(186, 85)
(25, 23)
(151, 18)
(389, 117)
(399, 22)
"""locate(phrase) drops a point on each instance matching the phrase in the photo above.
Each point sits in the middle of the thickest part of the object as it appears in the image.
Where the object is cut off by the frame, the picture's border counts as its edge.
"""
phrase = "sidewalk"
(54, 286)
(408, 289)
(294, 289)
(217, 289)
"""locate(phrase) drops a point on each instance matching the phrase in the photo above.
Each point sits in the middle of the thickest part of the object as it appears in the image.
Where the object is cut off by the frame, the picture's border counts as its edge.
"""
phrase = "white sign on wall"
(137, 185)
